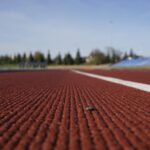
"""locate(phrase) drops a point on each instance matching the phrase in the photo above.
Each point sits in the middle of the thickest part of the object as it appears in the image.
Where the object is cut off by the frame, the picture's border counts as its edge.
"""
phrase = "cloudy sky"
(65, 25)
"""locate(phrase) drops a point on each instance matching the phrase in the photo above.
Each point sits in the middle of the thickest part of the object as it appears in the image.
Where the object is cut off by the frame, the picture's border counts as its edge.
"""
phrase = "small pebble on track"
(90, 108)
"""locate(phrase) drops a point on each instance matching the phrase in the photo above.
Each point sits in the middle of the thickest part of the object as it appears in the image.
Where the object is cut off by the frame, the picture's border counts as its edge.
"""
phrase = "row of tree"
(96, 57)
(38, 56)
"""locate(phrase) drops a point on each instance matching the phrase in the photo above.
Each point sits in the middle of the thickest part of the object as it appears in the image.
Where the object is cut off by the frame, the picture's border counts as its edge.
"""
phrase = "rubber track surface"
(141, 76)
(47, 110)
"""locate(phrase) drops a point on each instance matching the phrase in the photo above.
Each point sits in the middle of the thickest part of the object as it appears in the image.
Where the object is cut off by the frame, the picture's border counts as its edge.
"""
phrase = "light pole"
(111, 28)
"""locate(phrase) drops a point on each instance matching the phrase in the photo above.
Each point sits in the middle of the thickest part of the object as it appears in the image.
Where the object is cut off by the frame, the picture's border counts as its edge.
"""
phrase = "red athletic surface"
(142, 76)
(46, 110)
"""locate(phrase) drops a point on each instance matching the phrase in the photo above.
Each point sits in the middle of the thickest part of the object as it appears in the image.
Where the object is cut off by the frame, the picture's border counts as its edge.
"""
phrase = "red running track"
(47, 110)
(141, 76)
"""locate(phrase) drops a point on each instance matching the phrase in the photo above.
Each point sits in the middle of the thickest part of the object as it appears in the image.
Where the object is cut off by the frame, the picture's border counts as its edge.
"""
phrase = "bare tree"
(114, 54)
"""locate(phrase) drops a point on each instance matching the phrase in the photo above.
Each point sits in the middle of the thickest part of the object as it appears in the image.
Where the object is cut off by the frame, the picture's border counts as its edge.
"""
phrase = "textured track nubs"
(63, 110)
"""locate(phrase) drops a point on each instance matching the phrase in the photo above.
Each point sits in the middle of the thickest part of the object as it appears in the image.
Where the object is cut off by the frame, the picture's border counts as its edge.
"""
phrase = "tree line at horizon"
(96, 57)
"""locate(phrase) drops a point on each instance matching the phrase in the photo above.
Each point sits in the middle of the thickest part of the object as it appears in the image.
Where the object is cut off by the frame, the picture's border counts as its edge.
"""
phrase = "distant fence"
(33, 65)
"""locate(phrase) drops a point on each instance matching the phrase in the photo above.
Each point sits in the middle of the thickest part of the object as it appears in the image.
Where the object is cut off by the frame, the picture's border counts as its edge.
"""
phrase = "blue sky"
(65, 25)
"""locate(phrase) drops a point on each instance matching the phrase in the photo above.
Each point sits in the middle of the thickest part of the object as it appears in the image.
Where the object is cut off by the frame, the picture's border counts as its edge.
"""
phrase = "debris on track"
(90, 108)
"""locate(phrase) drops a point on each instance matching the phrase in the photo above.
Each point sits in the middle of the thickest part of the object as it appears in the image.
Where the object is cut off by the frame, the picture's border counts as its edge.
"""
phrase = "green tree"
(107, 58)
(58, 59)
(78, 58)
(68, 60)
(31, 58)
(49, 60)
(131, 53)
(97, 57)
(125, 56)
(24, 57)
(17, 58)
(39, 57)
(5, 59)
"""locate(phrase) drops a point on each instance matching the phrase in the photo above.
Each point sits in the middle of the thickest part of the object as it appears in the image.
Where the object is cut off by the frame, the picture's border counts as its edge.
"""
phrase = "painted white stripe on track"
(136, 85)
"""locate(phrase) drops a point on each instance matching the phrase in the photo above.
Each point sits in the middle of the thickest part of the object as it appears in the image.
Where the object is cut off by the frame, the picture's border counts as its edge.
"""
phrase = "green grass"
(11, 66)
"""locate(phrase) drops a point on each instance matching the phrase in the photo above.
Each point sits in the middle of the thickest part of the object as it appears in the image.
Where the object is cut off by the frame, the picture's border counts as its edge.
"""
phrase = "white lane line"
(136, 85)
